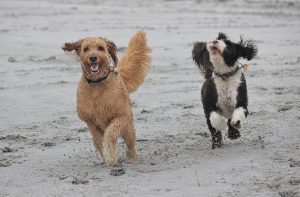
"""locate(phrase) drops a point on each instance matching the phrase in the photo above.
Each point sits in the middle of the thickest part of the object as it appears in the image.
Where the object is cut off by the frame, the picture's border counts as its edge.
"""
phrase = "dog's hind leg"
(129, 138)
(233, 133)
(97, 136)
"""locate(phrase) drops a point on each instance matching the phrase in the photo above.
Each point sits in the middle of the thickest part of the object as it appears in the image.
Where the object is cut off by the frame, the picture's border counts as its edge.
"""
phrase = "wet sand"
(45, 150)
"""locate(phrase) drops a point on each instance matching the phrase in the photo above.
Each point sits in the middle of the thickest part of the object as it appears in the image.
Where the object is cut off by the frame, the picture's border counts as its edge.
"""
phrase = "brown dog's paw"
(111, 161)
(130, 156)
(110, 153)
(109, 158)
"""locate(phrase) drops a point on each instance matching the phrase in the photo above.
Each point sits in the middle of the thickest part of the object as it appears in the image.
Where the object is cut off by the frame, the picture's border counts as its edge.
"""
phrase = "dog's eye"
(100, 48)
(85, 49)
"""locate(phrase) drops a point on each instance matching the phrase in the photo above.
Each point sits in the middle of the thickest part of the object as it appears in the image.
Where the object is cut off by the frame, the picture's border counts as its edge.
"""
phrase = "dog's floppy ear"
(222, 36)
(71, 46)
(112, 50)
(247, 48)
(201, 58)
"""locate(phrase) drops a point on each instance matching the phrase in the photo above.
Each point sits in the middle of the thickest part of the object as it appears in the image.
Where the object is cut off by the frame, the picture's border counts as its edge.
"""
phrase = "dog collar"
(225, 76)
(101, 78)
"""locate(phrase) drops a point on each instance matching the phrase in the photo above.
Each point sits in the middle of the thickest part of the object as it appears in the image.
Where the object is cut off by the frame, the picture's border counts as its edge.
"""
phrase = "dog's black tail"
(201, 58)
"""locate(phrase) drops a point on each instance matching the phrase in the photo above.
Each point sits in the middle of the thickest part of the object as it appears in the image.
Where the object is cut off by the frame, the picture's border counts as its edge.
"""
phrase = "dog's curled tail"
(135, 63)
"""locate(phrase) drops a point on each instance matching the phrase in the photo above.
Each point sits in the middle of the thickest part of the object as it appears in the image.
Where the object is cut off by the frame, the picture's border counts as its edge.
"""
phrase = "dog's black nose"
(93, 59)
(215, 42)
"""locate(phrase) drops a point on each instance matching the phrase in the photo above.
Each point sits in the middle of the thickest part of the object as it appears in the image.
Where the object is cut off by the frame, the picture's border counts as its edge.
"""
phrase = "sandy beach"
(45, 150)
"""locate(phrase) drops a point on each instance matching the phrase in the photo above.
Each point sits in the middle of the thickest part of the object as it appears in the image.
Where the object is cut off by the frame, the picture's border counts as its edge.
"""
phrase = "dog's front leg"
(240, 112)
(110, 147)
(97, 136)
(233, 133)
(239, 117)
(216, 123)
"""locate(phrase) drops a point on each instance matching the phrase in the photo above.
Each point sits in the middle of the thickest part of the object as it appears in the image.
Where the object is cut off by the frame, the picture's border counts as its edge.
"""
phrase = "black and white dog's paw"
(217, 140)
(218, 122)
(238, 118)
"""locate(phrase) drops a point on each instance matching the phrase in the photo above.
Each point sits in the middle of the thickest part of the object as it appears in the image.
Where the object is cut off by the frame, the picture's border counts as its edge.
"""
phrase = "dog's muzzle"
(214, 48)
(94, 67)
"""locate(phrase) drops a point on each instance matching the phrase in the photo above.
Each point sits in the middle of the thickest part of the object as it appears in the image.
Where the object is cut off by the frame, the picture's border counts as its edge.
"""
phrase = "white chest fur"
(227, 93)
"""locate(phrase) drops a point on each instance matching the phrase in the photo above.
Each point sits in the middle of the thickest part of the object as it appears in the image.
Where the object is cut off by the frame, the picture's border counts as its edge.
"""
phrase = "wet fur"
(106, 107)
(224, 102)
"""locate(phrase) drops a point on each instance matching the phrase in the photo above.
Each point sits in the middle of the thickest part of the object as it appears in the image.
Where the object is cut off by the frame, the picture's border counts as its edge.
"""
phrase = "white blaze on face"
(216, 56)
(216, 49)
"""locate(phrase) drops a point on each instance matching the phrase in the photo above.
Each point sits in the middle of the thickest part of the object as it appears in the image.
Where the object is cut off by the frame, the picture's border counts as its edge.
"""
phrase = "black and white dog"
(224, 92)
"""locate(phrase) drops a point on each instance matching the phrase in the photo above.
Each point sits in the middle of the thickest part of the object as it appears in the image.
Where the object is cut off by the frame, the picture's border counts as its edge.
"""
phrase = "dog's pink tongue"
(94, 66)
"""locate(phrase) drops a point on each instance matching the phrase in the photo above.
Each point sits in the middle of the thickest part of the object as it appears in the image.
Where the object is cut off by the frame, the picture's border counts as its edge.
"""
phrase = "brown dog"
(103, 92)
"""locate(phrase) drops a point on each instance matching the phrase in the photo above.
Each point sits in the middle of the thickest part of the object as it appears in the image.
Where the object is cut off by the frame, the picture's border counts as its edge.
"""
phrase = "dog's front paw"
(233, 134)
(238, 118)
(217, 140)
(110, 155)
(110, 160)
(236, 124)
(130, 156)
(218, 122)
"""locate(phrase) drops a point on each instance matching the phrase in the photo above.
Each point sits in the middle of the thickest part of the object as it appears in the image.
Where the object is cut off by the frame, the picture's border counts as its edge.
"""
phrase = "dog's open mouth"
(94, 67)
(215, 50)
